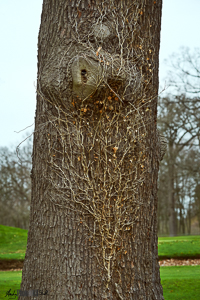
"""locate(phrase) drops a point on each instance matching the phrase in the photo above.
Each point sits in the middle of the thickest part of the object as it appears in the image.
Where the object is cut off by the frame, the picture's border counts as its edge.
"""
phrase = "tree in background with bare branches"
(15, 185)
(179, 121)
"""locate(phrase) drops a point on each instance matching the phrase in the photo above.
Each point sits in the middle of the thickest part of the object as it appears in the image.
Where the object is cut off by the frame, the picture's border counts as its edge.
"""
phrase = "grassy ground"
(12, 242)
(181, 282)
(180, 246)
(9, 280)
(13, 245)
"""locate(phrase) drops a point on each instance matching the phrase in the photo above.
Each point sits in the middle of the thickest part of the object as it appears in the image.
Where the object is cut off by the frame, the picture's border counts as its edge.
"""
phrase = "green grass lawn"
(9, 280)
(12, 242)
(181, 282)
(180, 246)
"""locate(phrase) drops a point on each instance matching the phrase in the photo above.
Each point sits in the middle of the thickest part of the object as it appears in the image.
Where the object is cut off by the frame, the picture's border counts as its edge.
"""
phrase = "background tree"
(179, 121)
(96, 152)
(197, 201)
(15, 186)
(185, 71)
(186, 175)
(191, 165)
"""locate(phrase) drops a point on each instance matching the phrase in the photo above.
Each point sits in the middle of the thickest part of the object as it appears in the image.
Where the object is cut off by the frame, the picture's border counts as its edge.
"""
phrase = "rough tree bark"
(93, 231)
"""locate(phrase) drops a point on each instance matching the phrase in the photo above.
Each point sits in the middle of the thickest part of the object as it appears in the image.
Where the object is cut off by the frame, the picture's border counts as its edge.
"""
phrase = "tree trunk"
(171, 198)
(93, 232)
(182, 220)
(189, 217)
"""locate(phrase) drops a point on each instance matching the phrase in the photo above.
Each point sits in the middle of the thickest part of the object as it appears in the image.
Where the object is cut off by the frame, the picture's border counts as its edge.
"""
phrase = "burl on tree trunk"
(93, 232)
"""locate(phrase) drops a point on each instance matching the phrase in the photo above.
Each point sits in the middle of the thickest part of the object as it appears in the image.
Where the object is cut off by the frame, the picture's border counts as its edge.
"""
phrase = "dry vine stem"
(93, 121)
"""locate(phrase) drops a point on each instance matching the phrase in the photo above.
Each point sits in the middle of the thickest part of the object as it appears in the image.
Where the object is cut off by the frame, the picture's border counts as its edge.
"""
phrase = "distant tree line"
(179, 122)
(15, 185)
(179, 180)
(179, 176)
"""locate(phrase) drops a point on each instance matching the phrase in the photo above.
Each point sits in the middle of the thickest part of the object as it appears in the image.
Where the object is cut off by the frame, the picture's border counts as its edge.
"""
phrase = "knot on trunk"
(93, 71)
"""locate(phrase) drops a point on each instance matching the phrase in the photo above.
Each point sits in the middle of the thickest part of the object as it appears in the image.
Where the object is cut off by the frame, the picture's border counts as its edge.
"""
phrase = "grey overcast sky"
(19, 26)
